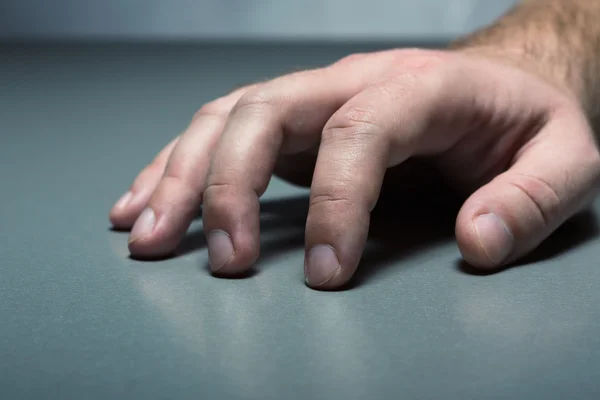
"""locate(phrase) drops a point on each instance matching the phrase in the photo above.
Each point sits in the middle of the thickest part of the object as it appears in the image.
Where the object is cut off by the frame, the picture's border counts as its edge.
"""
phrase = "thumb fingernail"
(494, 237)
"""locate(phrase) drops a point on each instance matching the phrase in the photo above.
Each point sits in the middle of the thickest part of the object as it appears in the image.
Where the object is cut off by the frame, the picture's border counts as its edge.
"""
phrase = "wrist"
(555, 40)
(559, 73)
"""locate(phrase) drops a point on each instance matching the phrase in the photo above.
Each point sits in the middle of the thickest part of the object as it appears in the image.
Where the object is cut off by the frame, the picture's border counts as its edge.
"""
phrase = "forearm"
(557, 39)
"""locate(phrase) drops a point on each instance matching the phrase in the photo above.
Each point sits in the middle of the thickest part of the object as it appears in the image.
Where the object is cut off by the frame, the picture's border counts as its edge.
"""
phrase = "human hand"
(520, 148)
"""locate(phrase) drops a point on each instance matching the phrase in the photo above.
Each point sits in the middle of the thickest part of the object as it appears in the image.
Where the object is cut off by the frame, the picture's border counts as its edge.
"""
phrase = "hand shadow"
(401, 224)
(578, 230)
(404, 223)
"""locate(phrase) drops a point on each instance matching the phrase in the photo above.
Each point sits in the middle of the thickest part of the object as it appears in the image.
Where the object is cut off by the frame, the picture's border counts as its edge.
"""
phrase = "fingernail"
(124, 200)
(220, 249)
(321, 265)
(143, 226)
(494, 237)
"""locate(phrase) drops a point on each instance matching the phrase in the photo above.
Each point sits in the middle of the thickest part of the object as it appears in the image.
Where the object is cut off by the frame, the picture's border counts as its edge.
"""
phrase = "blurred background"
(437, 20)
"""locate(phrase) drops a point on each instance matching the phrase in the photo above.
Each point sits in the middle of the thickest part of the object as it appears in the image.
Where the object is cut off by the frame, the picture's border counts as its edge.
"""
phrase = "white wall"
(329, 19)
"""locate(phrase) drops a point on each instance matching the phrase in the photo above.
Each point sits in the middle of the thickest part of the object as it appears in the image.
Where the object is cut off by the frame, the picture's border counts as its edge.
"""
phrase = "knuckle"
(341, 192)
(406, 58)
(351, 58)
(336, 198)
(239, 91)
(215, 108)
(358, 116)
(338, 202)
(295, 78)
(222, 106)
(351, 123)
(219, 187)
(254, 100)
(421, 73)
(221, 197)
(541, 195)
(229, 189)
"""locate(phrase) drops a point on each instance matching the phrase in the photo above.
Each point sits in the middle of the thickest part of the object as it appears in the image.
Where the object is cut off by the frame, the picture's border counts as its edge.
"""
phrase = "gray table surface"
(80, 319)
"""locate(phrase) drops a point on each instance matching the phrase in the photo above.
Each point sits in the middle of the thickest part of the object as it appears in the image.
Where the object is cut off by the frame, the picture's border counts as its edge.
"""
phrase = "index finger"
(284, 115)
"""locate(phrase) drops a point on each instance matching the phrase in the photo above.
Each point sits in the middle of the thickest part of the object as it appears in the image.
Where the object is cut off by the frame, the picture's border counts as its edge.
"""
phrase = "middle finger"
(285, 115)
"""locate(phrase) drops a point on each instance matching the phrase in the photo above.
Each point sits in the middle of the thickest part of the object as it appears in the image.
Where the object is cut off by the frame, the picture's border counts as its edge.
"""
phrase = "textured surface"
(79, 319)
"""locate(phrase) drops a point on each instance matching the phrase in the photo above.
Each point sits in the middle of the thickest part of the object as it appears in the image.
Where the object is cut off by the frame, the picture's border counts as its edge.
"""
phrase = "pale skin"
(516, 138)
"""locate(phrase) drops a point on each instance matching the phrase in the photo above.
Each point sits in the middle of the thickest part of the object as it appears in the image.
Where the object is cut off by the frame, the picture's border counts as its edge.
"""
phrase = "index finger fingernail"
(322, 264)
(494, 237)
(220, 249)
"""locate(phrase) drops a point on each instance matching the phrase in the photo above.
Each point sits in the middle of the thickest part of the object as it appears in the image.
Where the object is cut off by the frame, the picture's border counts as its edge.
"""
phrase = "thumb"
(551, 178)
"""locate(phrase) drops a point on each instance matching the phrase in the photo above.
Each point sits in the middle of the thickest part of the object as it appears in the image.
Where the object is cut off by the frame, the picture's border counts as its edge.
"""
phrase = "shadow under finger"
(402, 225)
